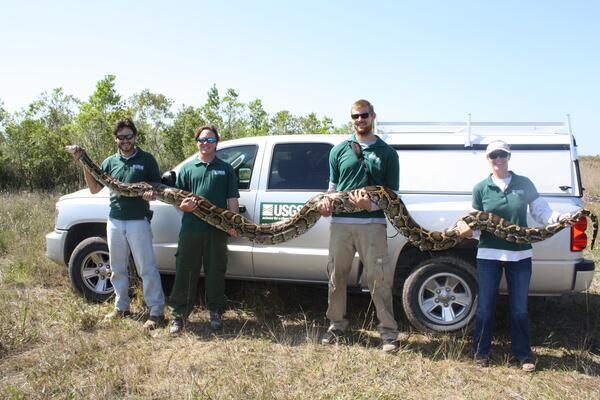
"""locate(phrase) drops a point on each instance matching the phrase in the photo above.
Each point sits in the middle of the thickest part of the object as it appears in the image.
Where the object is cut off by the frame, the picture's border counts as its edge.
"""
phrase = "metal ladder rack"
(476, 129)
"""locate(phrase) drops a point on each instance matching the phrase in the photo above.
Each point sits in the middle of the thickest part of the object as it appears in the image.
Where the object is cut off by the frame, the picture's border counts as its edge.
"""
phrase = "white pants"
(134, 235)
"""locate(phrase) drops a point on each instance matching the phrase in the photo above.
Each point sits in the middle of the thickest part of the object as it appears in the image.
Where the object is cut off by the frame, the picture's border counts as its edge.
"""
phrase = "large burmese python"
(282, 231)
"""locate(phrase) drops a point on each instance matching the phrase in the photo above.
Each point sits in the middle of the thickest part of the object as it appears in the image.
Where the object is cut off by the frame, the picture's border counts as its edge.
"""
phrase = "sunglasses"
(129, 136)
(206, 139)
(501, 154)
(363, 115)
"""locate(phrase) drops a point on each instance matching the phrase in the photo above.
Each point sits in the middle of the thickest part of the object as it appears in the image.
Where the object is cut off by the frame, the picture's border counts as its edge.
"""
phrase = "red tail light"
(578, 236)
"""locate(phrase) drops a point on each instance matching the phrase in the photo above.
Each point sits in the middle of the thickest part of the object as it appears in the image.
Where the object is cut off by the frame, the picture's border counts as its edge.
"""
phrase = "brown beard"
(367, 132)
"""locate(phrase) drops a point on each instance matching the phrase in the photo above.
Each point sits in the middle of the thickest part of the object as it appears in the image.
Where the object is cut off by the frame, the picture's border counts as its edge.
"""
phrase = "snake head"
(75, 151)
(572, 218)
(73, 148)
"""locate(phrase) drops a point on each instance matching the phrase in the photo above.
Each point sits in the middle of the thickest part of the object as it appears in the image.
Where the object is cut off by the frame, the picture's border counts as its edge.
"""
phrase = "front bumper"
(55, 246)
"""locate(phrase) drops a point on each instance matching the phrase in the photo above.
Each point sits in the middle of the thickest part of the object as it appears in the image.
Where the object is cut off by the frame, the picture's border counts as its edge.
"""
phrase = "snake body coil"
(282, 231)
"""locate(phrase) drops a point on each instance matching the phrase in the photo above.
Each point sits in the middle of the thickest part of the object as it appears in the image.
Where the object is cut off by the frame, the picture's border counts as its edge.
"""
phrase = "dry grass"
(591, 176)
(54, 345)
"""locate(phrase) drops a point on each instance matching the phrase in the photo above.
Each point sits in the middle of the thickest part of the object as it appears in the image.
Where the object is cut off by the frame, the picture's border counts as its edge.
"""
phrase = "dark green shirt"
(347, 173)
(215, 181)
(141, 167)
(510, 204)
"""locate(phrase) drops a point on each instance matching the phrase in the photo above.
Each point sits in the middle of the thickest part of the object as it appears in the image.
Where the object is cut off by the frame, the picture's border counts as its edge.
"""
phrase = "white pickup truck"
(439, 165)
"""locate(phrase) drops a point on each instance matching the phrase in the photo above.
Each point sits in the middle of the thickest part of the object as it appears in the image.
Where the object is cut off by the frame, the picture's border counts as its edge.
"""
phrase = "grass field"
(55, 345)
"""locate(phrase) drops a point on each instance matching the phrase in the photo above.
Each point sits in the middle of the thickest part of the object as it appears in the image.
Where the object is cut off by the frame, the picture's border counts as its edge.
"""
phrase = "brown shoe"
(116, 314)
(390, 346)
(154, 322)
(482, 361)
(527, 365)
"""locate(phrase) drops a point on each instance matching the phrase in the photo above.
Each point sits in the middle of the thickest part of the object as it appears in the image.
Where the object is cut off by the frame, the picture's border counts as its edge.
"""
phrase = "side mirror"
(244, 174)
(168, 178)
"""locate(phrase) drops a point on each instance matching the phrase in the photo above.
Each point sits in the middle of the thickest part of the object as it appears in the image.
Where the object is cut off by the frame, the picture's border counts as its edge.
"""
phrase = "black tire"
(427, 302)
(89, 270)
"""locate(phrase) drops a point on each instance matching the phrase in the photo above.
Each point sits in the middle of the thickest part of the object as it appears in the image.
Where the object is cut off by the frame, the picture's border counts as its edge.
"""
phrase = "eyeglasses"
(501, 154)
(129, 136)
(363, 115)
(206, 139)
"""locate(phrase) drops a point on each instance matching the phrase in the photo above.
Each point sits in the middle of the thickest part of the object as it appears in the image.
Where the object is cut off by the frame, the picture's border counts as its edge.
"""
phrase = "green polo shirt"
(215, 181)
(141, 167)
(347, 173)
(510, 204)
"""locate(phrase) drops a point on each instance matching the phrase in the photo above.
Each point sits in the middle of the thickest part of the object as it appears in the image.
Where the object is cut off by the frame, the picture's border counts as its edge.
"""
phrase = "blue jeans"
(518, 275)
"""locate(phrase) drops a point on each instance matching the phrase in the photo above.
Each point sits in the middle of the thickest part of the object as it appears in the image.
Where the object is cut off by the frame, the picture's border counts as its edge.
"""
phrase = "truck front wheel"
(89, 269)
(440, 295)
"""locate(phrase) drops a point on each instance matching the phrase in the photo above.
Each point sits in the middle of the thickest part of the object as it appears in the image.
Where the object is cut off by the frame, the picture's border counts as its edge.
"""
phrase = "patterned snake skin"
(282, 231)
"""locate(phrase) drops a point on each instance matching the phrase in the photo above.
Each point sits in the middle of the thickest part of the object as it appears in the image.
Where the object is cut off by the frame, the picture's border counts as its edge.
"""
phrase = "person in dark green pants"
(200, 244)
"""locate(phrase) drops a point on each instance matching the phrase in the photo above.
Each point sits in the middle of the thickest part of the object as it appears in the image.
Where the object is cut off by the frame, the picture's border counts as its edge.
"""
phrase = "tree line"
(32, 140)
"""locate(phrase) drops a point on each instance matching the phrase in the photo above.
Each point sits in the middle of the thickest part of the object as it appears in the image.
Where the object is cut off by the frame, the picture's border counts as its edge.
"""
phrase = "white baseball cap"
(496, 145)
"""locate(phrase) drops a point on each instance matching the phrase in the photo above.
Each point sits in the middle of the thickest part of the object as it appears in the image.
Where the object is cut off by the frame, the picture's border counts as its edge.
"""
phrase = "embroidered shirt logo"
(373, 157)
(518, 192)
(137, 166)
(218, 172)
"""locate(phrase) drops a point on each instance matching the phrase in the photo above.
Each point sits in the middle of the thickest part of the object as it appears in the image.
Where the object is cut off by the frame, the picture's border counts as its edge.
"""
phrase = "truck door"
(296, 172)
(242, 158)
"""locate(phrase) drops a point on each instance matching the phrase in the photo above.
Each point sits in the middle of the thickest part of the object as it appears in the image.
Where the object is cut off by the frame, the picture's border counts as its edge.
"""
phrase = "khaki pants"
(370, 241)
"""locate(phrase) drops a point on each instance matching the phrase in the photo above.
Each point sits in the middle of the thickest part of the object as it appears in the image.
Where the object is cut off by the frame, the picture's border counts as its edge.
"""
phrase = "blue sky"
(416, 61)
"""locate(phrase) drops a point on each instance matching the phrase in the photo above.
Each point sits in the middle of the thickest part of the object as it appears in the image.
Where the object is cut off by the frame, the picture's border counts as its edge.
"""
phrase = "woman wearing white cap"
(507, 195)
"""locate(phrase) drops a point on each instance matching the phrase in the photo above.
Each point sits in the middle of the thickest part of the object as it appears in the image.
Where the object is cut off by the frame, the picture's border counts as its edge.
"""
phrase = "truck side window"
(300, 166)
(241, 159)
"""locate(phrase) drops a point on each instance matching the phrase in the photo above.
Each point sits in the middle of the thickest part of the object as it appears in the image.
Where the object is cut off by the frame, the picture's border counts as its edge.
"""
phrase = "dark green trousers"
(195, 249)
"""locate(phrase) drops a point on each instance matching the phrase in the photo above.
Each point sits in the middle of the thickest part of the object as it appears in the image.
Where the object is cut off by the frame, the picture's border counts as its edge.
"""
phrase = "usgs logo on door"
(273, 212)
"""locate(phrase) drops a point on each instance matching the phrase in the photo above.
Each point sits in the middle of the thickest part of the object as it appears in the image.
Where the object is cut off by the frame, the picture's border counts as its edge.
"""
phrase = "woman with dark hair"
(507, 195)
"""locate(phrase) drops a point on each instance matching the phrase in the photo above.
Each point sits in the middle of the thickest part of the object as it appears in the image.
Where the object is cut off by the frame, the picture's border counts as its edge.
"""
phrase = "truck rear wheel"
(89, 269)
(440, 295)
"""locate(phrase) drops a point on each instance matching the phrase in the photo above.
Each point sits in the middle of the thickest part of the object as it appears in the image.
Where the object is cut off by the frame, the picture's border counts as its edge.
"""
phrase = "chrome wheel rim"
(95, 272)
(445, 298)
